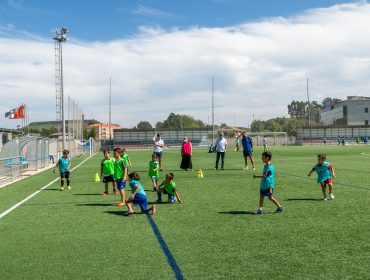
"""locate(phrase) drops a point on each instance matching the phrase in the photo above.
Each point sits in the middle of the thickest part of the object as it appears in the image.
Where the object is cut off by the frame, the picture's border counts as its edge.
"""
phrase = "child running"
(107, 172)
(120, 175)
(325, 172)
(169, 188)
(126, 158)
(138, 196)
(154, 171)
(64, 164)
(267, 183)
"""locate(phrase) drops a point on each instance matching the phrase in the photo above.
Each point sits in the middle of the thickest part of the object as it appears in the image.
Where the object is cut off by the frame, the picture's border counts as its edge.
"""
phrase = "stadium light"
(60, 37)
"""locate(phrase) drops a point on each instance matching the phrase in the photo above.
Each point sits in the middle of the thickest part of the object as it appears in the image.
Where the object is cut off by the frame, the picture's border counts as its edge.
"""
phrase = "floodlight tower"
(60, 37)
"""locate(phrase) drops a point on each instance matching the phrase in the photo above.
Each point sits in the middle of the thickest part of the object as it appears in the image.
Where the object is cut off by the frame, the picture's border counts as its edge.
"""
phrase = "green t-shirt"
(108, 166)
(153, 165)
(126, 159)
(170, 188)
(119, 169)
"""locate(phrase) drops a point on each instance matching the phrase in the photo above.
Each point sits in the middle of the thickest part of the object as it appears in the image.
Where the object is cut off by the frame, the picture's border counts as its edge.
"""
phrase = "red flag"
(19, 113)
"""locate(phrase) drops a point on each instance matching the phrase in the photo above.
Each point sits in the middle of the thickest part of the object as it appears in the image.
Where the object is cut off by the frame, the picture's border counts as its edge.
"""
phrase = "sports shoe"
(120, 203)
(115, 192)
(279, 210)
(61, 189)
(254, 169)
(258, 212)
(69, 187)
(158, 201)
(325, 198)
(128, 213)
(331, 196)
(154, 210)
(105, 193)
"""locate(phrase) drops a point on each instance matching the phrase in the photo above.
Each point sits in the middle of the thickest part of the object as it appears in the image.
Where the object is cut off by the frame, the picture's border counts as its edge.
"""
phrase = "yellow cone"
(200, 173)
(97, 178)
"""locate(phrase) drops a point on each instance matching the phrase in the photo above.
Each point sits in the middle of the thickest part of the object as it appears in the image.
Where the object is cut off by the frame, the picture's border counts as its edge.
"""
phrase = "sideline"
(6, 212)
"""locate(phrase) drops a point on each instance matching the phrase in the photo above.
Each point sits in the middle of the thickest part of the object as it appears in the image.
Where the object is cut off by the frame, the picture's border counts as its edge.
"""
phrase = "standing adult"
(221, 145)
(247, 143)
(186, 152)
(158, 145)
(264, 141)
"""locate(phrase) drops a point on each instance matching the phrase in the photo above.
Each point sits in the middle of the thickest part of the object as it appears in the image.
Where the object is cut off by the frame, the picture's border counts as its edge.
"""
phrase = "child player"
(154, 171)
(325, 172)
(64, 164)
(107, 172)
(169, 188)
(120, 175)
(126, 158)
(267, 183)
(138, 196)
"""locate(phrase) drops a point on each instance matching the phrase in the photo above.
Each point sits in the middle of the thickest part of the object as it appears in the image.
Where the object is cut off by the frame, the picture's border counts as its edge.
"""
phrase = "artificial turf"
(80, 234)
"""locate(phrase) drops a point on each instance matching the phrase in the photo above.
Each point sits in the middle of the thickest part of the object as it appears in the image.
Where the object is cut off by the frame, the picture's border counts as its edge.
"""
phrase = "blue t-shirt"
(63, 164)
(247, 143)
(141, 190)
(323, 171)
(268, 182)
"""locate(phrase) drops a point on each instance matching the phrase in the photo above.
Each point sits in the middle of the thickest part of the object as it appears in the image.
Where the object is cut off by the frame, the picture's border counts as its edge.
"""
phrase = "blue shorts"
(154, 178)
(120, 184)
(247, 153)
(267, 192)
(140, 200)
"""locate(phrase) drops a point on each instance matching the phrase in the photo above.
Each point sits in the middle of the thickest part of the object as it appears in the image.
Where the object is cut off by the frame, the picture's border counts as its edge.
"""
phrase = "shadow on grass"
(303, 199)
(51, 189)
(120, 213)
(238, 212)
(96, 204)
(87, 194)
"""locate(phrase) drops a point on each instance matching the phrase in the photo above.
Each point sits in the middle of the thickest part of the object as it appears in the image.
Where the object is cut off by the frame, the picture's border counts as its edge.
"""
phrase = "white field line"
(6, 212)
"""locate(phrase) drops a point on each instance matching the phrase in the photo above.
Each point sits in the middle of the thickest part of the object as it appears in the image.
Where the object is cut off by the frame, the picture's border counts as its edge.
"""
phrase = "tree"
(144, 125)
(297, 109)
(182, 121)
(92, 133)
(330, 102)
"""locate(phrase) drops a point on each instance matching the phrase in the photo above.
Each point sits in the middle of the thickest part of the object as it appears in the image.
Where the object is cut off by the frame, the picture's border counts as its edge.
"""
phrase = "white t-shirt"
(159, 142)
(264, 141)
(221, 144)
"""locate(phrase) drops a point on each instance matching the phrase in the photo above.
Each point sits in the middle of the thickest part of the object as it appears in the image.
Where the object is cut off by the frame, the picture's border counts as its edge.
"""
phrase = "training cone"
(97, 178)
(200, 173)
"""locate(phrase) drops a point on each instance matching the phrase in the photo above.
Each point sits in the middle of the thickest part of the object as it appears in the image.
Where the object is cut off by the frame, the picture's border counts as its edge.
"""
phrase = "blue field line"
(170, 259)
(341, 184)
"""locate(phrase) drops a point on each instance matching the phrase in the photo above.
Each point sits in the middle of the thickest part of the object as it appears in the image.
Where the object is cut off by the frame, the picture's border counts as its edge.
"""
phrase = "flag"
(18, 113)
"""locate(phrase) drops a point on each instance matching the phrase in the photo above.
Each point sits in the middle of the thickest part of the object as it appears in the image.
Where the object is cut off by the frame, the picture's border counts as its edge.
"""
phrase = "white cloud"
(259, 68)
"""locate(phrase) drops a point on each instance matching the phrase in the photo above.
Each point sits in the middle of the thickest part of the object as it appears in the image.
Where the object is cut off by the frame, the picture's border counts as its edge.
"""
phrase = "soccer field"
(80, 234)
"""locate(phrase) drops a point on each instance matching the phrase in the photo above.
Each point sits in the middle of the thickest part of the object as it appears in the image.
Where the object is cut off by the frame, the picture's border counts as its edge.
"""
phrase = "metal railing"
(11, 169)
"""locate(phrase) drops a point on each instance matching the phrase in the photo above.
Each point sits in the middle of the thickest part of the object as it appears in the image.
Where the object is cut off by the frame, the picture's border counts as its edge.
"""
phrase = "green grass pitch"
(80, 234)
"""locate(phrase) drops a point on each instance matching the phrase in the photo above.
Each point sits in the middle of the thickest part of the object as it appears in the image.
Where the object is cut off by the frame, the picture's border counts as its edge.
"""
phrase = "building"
(351, 112)
(6, 135)
(103, 131)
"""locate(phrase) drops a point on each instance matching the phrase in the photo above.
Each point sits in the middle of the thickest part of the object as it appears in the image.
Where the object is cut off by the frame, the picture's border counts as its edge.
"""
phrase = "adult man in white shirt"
(158, 144)
(221, 145)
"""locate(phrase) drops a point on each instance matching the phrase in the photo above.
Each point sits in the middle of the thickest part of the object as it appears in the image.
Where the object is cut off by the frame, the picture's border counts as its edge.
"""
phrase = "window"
(366, 110)
(366, 122)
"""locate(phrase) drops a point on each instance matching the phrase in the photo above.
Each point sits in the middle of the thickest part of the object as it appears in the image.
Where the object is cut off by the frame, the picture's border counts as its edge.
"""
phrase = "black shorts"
(247, 153)
(158, 154)
(107, 179)
(64, 174)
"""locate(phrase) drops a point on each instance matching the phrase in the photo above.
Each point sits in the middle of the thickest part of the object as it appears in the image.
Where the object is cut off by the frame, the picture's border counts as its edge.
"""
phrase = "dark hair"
(158, 135)
(65, 152)
(267, 155)
(134, 175)
(170, 175)
(118, 150)
(322, 156)
(106, 151)
(155, 156)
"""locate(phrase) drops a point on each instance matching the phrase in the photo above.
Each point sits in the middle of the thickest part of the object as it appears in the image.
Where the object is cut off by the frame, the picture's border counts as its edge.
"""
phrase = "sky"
(162, 55)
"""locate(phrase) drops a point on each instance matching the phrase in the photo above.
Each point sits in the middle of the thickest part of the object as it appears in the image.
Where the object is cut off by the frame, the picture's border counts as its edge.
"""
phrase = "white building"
(353, 111)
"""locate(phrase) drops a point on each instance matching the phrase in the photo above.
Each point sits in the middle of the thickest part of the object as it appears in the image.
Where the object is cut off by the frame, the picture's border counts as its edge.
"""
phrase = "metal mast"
(60, 37)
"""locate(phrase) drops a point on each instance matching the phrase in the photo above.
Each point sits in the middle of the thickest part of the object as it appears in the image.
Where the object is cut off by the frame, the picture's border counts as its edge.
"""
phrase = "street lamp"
(60, 37)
